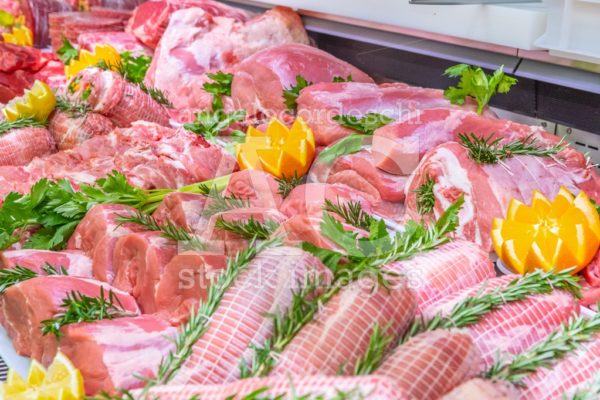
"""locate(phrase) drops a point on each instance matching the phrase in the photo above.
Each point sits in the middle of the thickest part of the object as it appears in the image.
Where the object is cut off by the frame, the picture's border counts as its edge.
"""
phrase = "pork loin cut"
(259, 187)
(24, 306)
(325, 387)
(442, 271)
(185, 282)
(115, 354)
(20, 146)
(195, 43)
(260, 79)
(489, 188)
(242, 317)
(121, 41)
(75, 262)
(97, 234)
(139, 260)
(431, 364)
(483, 389)
(181, 209)
(69, 131)
(340, 333)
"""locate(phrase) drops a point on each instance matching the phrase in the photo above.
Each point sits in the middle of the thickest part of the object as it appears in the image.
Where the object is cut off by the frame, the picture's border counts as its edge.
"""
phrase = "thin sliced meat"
(259, 187)
(121, 41)
(447, 269)
(181, 209)
(139, 261)
(431, 364)
(340, 333)
(76, 263)
(69, 131)
(20, 146)
(242, 317)
(483, 389)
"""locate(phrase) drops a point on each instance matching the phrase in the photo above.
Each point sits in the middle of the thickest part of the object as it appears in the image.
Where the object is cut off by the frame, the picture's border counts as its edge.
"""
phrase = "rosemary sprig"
(156, 94)
(378, 344)
(472, 309)
(351, 212)
(590, 391)
(73, 109)
(425, 197)
(218, 203)
(199, 320)
(366, 125)
(12, 276)
(491, 151)
(287, 184)
(560, 343)
(6, 125)
(248, 229)
(81, 308)
(290, 95)
(220, 86)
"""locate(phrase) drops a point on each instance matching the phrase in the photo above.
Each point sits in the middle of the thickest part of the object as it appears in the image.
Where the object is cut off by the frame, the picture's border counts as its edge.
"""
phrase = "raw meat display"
(121, 41)
(181, 209)
(68, 132)
(20, 146)
(75, 262)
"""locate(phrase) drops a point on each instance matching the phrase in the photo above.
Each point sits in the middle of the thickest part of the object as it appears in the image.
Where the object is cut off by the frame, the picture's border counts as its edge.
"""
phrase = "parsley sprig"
(366, 125)
(290, 95)
(220, 86)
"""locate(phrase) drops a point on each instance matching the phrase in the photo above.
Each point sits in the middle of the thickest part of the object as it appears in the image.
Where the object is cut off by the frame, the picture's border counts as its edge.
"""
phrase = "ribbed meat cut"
(242, 318)
(20, 146)
(339, 334)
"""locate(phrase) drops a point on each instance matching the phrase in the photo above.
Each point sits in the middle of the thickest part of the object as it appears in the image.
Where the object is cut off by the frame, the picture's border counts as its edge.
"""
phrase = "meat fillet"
(75, 262)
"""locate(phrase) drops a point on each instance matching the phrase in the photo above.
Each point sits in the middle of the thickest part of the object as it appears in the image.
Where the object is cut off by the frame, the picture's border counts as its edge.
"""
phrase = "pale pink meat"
(242, 319)
(20, 146)
(483, 389)
(431, 364)
(121, 41)
(75, 262)
(259, 187)
(339, 334)
(181, 209)
(69, 132)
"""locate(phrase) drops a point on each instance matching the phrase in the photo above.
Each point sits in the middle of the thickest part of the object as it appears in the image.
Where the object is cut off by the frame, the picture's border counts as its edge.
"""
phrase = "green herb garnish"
(425, 197)
(372, 358)
(366, 125)
(156, 94)
(348, 145)
(287, 184)
(210, 124)
(19, 123)
(220, 86)
(73, 109)
(67, 52)
(341, 79)
(248, 229)
(219, 203)
(351, 212)
(11, 276)
(290, 95)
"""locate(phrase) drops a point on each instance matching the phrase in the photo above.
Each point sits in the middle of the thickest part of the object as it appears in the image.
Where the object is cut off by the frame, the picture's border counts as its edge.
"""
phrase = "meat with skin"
(195, 43)
(76, 263)
(116, 98)
(121, 41)
(242, 317)
(363, 387)
(24, 306)
(139, 261)
(184, 284)
(398, 147)
(260, 79)
(20, 146)
(488, 188)
(516, 326)
(483, 389)
(123, 350)
(259, 187)
(69, 132)
(438, 273)
(431, 364)
(181, 209)
(97, 234)
(339, 334)
(574, 370)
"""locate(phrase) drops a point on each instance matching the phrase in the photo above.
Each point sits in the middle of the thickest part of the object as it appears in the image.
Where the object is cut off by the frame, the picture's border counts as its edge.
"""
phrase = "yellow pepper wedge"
(561, 234)
(20, 35)
(280, 151)
(102, 52)
(37, 102)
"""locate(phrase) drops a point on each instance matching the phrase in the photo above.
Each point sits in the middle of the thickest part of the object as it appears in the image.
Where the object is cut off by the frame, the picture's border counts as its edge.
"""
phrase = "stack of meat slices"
(71, 24)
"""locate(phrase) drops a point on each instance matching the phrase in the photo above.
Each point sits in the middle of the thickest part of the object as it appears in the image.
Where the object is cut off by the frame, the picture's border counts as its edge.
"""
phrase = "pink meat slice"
(139, 261)
(195, 43)
(259, 187)
(69, 132)
(181, 209)
(76, 263)
(398, 147)
(242, 317)
(184, 284)
(340, 333)
(20, 146)
(24, 306)
(488, 189)
(574, 370)
(97, 234)
(449, 268)
(123, 350)
(483, 389)
(121, 41)
(364, 387)
(431, 364)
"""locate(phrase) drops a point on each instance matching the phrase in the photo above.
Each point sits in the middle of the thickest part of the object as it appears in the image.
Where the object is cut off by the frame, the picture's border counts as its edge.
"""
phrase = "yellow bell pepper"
(102, 52)
(20, 35)
(37, 102)
(279, 151)
(561, 234)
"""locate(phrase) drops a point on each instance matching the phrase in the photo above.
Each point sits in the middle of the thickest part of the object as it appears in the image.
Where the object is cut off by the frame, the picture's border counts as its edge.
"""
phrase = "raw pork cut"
(20, 146)
(575, 369)
(340, 333)
(431, 364)
(260, 79)
(121, 41)
(440, 272)
(516, 326)
(38, 11)
(76, 263)
(242, 317)
(97, 234)
(150, 19)
(181, 209)
(139, 260)
(398, 147)
(483, 389)
(259, 187)
(116, 353)
(24, 306)
(325, 387)
(196, 42)
(69, 131)
(488, 188)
